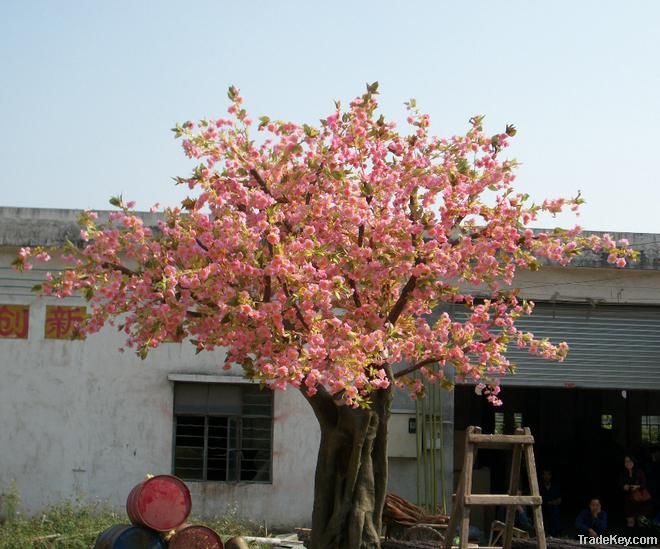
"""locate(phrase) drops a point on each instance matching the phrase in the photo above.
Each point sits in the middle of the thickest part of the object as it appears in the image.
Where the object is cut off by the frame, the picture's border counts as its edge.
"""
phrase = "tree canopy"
(316, 254)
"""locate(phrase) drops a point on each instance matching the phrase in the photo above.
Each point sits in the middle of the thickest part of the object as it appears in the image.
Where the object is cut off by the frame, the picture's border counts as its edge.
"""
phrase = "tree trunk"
(351, 473)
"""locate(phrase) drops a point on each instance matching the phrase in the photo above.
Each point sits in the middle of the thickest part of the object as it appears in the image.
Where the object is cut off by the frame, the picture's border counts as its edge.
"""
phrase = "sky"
(89, 89)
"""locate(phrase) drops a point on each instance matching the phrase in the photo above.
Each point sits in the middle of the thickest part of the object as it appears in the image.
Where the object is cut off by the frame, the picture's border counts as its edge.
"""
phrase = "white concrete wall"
(609, 285)
(81, 419)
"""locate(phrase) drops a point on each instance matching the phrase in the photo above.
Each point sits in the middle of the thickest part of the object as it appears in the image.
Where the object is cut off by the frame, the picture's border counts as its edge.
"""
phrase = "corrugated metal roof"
(611, 346)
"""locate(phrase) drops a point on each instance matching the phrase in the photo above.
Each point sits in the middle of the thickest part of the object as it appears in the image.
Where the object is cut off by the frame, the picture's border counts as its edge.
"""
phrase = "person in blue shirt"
(551, 495)
(592, 521)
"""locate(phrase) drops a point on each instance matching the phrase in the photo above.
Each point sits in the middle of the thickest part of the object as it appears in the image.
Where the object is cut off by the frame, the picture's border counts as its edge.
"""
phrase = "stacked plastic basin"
(158, 508)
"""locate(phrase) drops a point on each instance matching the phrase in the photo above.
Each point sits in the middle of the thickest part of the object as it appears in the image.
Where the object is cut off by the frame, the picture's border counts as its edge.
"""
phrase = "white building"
(82, 420)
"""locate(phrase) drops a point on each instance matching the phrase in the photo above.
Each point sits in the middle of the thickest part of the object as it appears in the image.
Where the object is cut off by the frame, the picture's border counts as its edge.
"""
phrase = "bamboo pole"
(442, 460)
(434, 485)
(424, 460)
(418, 429)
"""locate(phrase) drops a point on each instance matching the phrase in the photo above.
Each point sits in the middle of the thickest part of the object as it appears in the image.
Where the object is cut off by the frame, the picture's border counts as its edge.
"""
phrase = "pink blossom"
(316, 258)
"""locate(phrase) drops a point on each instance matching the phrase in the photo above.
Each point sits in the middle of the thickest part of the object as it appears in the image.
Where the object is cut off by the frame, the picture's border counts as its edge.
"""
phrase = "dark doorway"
(581, 435)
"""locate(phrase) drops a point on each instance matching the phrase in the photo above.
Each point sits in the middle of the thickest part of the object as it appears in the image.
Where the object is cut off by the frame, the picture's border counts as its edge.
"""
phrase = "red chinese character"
(63, 322)
(14, 320)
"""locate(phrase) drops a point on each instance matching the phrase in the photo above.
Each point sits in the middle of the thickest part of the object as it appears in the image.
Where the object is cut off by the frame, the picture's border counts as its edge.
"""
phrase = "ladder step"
(499, 440)
(501, 499)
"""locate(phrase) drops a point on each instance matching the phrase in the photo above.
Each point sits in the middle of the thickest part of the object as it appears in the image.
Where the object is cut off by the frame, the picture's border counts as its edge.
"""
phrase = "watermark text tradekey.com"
(622, 541)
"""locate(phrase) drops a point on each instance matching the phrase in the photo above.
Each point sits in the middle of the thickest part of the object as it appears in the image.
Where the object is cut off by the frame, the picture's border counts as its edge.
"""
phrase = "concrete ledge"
(49, 226)
(207, 378)
(52, 227)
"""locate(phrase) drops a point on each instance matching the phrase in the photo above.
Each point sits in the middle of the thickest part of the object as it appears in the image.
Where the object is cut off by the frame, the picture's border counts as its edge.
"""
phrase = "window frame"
(652, 424)
(502, 420)
(238, 383)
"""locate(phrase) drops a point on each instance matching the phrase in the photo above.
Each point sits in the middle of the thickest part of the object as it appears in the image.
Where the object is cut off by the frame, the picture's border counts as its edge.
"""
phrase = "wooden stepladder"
(520, 443)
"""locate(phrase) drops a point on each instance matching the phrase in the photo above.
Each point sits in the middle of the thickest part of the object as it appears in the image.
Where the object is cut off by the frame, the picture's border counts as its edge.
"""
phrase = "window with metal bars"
(650, 429)
(507, 423)
(223, 432)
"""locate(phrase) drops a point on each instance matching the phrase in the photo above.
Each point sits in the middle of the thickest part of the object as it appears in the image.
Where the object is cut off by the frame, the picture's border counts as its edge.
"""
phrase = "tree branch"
(456, 240)
(401, 302)
(121, 268)
(415, 367)
(356, 297)
(267, 289)
(267, 279)
(295, 305)
(201, 244)
(360, 235)
(322, 404)
(262, 183)
(412, 281)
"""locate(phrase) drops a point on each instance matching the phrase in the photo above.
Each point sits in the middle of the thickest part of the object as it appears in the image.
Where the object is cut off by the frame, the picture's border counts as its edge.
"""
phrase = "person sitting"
(522, 520)
(592, 521)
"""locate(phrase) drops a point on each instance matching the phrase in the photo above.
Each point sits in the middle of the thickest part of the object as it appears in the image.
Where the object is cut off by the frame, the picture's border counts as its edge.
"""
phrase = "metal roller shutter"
(611, 346)
(616, 347)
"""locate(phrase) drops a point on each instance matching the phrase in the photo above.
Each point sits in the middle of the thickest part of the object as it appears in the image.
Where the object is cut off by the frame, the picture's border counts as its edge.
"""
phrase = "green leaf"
(117, 201)
(446, 384)
(477, 121)
(373, 88)
(188, 203)
(310, 131)
(463, 166)
(177, 130)
(37, 288)
(88, 293)
(411, 103)
(232, 92)
(264, 120)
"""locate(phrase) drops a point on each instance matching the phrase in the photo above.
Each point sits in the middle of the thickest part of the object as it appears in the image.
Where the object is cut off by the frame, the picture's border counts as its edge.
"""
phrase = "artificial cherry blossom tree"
(315, 256)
